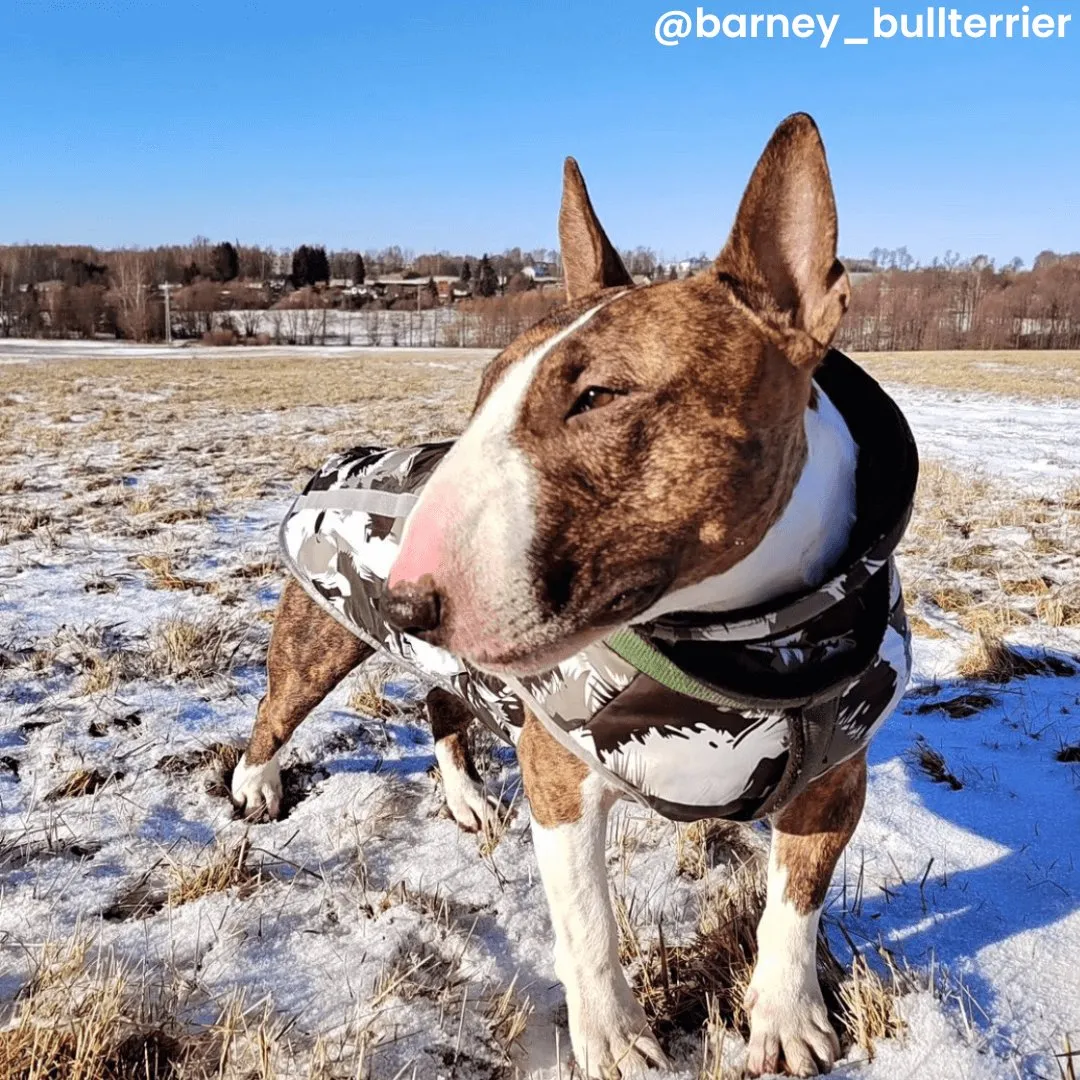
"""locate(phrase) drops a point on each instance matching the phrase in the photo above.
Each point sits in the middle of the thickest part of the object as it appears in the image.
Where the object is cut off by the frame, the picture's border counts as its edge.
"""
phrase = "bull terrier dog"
(659, 557)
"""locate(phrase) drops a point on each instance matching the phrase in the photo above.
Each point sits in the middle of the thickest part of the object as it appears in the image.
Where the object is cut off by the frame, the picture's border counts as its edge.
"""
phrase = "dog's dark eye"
(596, 397)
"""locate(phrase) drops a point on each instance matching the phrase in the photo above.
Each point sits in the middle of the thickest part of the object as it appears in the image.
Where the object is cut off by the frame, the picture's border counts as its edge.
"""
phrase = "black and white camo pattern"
(804, 684)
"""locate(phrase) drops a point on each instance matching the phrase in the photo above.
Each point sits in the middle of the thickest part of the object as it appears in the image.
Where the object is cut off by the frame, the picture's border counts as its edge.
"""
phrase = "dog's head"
(638, 440)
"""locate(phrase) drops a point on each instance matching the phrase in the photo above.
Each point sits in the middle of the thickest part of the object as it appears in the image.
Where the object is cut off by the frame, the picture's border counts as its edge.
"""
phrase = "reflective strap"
(383, 503)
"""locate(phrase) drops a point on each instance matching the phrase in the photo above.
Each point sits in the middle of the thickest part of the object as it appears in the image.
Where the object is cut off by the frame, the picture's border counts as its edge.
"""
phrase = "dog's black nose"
(414, 607)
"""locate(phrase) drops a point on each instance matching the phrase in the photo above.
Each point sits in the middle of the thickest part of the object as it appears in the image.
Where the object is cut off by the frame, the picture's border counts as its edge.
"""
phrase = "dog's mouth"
(563, 638)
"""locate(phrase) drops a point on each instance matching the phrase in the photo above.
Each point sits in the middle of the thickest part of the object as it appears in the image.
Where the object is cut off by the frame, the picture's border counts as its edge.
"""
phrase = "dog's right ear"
(781, 255)
(590, 262)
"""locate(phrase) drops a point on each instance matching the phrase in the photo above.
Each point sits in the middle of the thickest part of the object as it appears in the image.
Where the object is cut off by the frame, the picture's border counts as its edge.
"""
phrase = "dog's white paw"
(611, 1037)
(469, 803)
(256, 789)
(789, 1026)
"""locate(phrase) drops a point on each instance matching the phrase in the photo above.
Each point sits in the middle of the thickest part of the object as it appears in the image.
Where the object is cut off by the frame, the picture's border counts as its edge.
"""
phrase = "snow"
(1033, 443)
(977, 889)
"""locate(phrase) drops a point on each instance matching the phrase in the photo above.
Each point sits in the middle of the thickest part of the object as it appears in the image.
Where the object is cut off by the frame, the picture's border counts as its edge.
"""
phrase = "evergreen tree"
(466, 272)
(309, 266)
(487, 282)
(658, 273)
(224, 262)
(359, 272)
(673, 275)
(432, 291)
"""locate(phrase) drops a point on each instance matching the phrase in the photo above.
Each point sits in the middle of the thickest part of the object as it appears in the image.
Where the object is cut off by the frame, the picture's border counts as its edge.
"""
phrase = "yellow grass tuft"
(922, 628)
(508, 1014)
(991, 659)
(227, 868)
(163, 575)
(368, 696)
(79, 783)
(868, 1006)
(697, 845)
(933, 764)
(192, 648)
(100, 673)
(79, 1022)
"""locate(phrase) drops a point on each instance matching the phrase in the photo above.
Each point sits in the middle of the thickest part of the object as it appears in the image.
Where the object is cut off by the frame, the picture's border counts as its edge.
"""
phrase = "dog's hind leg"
(787, 1013)
(310, 653)
(469, 804)
(570, 804)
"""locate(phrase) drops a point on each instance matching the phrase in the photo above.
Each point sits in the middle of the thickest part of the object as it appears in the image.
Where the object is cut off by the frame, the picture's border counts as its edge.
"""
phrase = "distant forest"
(897, 304)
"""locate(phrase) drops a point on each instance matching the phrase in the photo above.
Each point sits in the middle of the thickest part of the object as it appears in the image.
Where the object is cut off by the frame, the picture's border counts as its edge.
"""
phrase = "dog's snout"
(415, 607)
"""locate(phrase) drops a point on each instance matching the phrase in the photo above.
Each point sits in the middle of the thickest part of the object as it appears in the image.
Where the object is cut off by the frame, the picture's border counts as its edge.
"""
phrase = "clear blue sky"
(442, 124)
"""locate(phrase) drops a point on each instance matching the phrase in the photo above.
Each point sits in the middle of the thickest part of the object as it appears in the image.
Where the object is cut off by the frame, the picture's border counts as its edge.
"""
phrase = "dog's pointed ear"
(781, 255)
(589, 260)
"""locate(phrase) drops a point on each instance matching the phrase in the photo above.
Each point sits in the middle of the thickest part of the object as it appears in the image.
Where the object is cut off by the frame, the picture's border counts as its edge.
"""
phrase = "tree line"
(965, 304)
(897, 304)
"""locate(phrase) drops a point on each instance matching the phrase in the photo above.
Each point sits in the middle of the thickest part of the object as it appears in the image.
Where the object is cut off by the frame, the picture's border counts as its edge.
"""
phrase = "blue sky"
(442, 124)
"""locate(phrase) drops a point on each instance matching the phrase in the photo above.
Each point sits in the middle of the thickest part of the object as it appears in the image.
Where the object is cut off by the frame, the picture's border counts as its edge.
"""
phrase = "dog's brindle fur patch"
(310, 653)
(812, 831)
(552, 775)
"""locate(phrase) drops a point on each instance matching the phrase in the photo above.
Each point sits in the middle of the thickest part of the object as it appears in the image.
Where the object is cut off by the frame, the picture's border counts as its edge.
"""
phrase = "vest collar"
(886, 475)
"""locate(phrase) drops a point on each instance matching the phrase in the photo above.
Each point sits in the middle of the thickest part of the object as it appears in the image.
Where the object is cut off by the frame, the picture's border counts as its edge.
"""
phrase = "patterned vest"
(696, 714)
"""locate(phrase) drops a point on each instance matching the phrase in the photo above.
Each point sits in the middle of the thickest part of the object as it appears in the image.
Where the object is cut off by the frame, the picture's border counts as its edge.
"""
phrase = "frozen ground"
(364, 934)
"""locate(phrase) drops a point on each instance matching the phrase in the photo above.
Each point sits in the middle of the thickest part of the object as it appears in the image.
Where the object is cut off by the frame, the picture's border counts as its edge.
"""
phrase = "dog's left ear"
(590, 262)
(781, 255)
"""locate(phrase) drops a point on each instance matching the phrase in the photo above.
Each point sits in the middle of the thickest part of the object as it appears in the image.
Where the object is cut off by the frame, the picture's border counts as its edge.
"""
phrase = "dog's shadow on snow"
(997, 803)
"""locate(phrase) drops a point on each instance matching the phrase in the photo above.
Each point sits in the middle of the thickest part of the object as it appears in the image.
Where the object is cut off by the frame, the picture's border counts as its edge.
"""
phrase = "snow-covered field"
(363, 934)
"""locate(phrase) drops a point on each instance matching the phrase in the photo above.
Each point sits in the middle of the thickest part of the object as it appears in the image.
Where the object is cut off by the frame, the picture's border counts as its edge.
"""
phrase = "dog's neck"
(805, 542)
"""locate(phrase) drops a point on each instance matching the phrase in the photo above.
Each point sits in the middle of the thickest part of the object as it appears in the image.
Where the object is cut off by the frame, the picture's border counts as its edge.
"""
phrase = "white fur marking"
(608, 1027)
(494, 488)
(804, 543)
(787, 1012)
(256, 789)
(469, 804)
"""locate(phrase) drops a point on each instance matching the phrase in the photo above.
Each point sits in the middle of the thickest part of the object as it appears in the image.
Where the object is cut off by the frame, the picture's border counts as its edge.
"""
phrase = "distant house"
(395, 286)
(689, 267)
(544, 275)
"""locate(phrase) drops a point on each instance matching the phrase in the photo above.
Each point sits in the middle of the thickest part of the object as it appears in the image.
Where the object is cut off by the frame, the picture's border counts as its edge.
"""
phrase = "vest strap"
(641, 654)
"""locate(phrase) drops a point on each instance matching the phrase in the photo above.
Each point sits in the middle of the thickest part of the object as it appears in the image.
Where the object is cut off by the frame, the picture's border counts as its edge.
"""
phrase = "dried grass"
(933, 764)
(226, 868)
(163, 574)
(87, 1016)
(868, 1005)
(368, 696)
(80, 783)
(100, 673)
(990, 659)
(74, 1022)
(197, 648)
(698, 844)
(508, 1014)
(1041, 374)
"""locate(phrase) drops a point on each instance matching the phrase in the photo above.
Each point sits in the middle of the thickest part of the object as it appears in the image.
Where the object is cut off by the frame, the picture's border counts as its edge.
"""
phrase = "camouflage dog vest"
(696, 714)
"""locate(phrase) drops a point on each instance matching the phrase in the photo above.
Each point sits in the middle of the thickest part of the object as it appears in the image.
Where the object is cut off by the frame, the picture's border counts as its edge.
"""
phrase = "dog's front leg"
(788, 1021)
(569, 804)
(310, 653)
